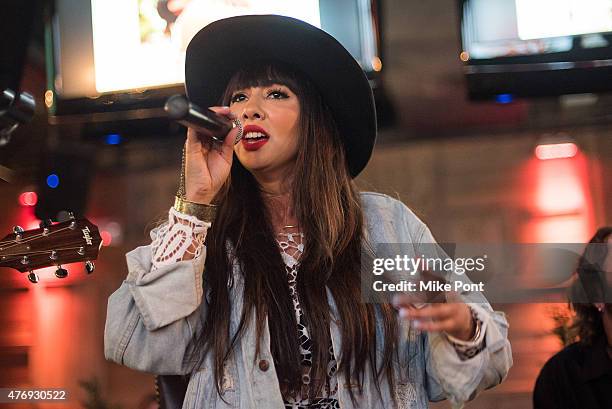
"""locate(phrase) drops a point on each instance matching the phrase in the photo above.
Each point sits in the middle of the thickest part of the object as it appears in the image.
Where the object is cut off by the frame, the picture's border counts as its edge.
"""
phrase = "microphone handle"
(205, 121)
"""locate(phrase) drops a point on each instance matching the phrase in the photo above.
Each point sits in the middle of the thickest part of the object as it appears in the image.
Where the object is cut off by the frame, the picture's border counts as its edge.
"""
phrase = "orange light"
(48, 98)
(28, 199)
(556, 151)
(376, 64)
(107, 238)
(464, 56)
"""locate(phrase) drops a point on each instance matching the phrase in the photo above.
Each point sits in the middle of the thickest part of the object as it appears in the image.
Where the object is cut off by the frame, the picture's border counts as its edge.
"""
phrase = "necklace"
(290, 234)
(285, 215)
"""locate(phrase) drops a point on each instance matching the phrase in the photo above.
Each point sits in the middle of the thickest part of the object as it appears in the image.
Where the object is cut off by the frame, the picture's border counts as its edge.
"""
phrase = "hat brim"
(223, 47)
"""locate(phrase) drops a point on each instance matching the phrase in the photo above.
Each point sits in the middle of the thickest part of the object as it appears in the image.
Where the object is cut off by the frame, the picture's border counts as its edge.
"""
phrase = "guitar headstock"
(71, 241)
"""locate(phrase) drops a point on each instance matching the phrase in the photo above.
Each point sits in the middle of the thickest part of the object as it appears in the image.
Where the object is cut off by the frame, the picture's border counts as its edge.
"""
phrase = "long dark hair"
(328, 208)
(591, 286)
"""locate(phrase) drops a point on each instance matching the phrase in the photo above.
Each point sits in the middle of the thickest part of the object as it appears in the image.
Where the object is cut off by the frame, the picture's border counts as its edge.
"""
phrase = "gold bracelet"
(204, 212)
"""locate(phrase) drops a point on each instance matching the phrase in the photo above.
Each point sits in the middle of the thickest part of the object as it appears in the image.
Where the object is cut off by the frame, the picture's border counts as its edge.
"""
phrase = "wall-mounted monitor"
(117, 55)
(536, 47)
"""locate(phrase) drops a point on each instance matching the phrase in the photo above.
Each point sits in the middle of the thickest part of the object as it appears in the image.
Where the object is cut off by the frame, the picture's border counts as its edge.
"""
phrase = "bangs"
(263, 75)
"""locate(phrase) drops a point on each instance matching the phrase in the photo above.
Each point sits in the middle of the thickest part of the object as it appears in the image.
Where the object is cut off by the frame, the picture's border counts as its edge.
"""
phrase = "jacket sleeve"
(153, 317)
(461, 380)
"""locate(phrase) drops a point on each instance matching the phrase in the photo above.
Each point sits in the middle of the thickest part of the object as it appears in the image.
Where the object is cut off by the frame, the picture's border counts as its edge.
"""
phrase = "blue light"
(504, 98)
(52, 181)
(113, 139)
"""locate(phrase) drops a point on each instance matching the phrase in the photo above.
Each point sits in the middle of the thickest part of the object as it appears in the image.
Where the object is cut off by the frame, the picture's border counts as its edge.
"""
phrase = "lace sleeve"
(182, 238)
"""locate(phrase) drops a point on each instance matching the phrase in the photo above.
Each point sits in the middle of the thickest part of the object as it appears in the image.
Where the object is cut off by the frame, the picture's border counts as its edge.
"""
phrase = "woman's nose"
(252, 110)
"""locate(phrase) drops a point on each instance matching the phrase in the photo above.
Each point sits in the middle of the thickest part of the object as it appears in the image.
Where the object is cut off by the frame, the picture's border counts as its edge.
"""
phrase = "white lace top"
(183, 238)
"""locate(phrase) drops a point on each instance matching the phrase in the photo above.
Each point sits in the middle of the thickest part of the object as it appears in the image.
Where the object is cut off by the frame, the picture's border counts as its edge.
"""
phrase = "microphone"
(205, 121)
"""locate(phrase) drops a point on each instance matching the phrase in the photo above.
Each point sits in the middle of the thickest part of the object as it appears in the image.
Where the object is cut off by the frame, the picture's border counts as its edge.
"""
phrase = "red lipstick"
(254, 137)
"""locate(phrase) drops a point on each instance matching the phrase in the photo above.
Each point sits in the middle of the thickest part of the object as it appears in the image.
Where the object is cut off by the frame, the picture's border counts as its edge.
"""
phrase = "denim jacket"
(153, 316)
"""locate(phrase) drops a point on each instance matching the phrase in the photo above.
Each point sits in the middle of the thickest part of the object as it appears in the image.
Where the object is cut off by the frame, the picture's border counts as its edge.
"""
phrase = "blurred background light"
(113, 139)
(28, 199)
(503, 98)
(107, 238)
(53, 181)
(556, 151)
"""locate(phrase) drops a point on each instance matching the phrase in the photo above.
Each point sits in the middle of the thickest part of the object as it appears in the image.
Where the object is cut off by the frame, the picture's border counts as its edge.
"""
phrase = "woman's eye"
(278, 94)
(237, 97)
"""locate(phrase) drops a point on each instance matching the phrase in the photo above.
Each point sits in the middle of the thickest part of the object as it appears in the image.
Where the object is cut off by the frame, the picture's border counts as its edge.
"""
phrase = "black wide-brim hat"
(223, 47)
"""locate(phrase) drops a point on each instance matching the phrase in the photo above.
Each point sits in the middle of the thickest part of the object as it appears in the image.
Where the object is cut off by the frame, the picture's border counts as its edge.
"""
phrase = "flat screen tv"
(111, 56)
(533, 48)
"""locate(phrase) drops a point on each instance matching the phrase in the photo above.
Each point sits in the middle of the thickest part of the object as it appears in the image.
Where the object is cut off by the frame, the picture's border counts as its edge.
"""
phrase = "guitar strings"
(16, 243)
(29, 239)
(18, 255)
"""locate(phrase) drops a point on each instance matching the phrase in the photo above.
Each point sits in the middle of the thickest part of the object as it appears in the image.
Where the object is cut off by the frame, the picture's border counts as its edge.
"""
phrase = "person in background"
(580, 375)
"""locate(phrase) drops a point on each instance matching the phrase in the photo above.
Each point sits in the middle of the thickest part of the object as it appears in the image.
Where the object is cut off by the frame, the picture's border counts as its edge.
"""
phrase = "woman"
(268, 313)
(580, 375)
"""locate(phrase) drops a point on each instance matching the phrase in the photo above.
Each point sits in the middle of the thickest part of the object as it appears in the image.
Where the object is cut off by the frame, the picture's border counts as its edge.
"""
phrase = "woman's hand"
(453, 317)
(207, 165)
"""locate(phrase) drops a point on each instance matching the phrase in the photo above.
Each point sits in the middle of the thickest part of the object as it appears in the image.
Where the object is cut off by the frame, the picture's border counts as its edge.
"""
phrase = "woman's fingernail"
(404, 313)
(416, 324)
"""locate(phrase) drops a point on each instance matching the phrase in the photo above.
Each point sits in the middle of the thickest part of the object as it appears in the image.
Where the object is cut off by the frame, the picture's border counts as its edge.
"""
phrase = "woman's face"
(270, 116)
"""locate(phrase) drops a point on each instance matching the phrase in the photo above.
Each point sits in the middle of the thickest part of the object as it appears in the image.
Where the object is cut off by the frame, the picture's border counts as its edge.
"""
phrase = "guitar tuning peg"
(61, 272)
(33, 277)
(89, 267)
(18, 230)
(64, 216)
(45, 223)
